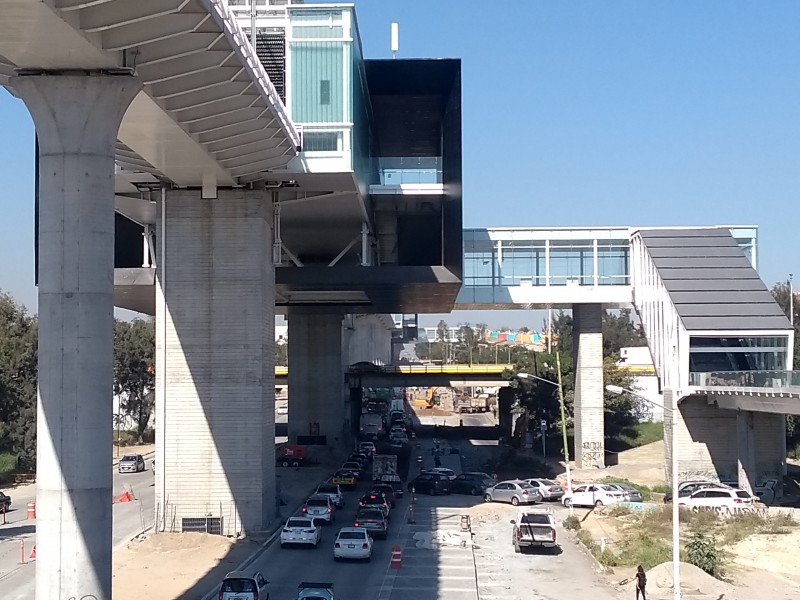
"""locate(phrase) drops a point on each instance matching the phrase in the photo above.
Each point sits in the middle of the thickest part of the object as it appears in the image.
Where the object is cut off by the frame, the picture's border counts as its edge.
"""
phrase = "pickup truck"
(533, 528)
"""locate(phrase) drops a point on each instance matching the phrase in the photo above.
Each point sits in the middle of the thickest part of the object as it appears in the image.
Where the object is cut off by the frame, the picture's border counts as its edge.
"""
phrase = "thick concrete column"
(316, 379)
(745, 442)
(215, 361)
(587, 342)
(76, 118)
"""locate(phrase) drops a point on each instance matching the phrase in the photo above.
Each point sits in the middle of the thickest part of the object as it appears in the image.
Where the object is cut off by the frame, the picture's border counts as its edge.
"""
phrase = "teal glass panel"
(317, 93)
(572, 263)
(318, 31)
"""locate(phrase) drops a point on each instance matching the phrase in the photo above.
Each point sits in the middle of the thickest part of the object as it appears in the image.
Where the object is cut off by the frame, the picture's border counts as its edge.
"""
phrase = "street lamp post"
(791, 299)
(676, 535)
(560, 387)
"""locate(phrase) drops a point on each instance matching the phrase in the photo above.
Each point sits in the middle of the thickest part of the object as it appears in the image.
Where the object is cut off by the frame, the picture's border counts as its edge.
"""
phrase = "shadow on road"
(15, 531)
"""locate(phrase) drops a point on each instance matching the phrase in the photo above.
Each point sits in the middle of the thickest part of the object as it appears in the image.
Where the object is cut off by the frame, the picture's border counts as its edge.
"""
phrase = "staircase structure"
(712, 326)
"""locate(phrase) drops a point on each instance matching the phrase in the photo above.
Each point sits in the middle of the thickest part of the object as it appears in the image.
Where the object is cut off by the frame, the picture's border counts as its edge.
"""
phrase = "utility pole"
(791, 300)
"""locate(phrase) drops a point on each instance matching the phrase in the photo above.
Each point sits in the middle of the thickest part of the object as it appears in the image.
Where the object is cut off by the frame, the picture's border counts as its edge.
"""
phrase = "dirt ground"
(188, 565)
(758, 564)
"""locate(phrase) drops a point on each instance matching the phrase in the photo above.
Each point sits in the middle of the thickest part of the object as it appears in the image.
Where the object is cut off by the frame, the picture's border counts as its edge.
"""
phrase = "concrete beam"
(782, 405)
(77, 120)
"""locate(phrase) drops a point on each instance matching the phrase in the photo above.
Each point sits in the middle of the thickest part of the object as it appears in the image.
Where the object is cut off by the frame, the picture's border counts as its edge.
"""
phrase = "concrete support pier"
(77, 119)
(587, 342)
(215, 377)
(745, 441)
(316, 378)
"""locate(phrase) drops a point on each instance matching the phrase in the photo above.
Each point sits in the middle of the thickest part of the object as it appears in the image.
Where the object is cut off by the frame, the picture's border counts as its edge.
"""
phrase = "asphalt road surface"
(17, 580)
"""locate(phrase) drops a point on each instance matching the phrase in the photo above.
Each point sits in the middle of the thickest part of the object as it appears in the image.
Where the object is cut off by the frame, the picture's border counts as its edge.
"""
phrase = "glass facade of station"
(327, 91)
(558, 257)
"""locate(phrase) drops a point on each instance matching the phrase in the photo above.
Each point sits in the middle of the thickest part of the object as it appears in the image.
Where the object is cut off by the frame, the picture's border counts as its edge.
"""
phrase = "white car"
(241, 585)
(449, 473)
(301, 530)
(721, 498)
(352, 543)
(593, 494)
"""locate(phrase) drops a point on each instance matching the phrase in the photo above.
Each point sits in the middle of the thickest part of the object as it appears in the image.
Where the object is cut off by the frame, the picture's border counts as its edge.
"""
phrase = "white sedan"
(593, 494)
(717, 498)
(449, 473)
(301, 530)
(353, 543)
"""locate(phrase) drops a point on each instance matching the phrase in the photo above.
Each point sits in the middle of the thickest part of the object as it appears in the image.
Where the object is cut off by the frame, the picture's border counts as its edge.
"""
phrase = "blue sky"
(577, 113)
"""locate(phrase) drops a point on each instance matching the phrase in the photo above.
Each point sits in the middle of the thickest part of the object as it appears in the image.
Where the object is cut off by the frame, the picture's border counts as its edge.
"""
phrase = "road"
(17, 580)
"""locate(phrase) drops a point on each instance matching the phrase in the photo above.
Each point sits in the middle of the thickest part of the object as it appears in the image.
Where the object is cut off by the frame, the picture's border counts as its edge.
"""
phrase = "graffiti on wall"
(591, 454)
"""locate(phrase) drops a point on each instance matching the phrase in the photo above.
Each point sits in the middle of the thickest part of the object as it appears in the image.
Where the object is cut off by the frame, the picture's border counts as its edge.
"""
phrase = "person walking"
(641, 582)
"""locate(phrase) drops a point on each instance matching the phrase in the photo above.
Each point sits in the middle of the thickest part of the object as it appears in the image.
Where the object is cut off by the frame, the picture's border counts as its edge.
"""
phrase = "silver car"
(514, 491)
(131, 463)
(549, 489)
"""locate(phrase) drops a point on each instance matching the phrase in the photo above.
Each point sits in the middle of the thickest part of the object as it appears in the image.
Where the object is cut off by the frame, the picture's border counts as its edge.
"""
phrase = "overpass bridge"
(374, 375)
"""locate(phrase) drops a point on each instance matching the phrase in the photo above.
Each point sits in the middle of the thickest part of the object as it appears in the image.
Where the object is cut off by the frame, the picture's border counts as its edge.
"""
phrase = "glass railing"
(754, 379)
(400, 170)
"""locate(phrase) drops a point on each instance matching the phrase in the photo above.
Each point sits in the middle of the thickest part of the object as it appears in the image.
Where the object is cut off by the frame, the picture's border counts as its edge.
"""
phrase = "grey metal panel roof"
(711, 282)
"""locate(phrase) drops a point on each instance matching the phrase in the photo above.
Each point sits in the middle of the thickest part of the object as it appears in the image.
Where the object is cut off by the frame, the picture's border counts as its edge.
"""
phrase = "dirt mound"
(694, 581)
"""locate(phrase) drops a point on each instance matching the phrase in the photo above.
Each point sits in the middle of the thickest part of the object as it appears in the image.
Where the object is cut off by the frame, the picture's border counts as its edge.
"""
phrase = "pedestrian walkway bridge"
(760, 391)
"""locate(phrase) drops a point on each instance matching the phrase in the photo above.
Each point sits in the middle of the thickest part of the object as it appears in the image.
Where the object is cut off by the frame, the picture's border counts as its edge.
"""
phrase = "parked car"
(593, 494)
(308, 590)
(549, 489)
(514, 491)
(5, 502)
(722, 498)
(375, 500)
(344, 478)
(301, 530)
(630, 493)
(449, 473)
(429, 483)
(474, 484)
(320, 508)
(241, 585)
(333, 492)
(131, 463)
(395, 482)
(374, 521)
(687, 488)
(352, 543)
(388, 492)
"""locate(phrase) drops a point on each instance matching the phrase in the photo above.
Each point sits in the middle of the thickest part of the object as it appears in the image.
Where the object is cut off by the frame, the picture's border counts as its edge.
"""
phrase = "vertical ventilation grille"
(271, 51)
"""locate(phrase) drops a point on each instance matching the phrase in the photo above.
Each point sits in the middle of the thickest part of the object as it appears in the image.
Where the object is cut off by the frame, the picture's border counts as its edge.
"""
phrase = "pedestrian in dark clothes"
(641, 582)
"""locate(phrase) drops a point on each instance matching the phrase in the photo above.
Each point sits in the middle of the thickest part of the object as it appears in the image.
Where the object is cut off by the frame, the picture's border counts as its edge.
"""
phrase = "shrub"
(8, 463)
(643, 549)
(572, 523)
(617, 511)
(702, 552)
(642, 488)
(661, 489)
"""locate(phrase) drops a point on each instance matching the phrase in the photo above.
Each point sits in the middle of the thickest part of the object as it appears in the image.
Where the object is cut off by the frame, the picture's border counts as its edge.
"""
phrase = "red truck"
(287, 455)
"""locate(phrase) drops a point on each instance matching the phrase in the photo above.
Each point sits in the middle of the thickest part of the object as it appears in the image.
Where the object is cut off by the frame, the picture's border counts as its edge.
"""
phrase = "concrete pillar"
(745, 442)
(316, 379)
(76, 118)
(587, 342)
(215, 361)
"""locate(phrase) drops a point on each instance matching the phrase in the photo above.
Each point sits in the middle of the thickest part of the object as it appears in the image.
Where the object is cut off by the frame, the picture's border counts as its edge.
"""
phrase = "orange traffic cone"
(397, 558)
(125, 497)
(33, 552)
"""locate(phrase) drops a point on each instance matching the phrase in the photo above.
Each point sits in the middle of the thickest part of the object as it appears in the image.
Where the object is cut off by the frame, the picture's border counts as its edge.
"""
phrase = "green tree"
(18, 372)
(469, 340)
(134, 373)
(620, 332)
(442, 333)
(282, 355)
(780, 291)
(562, 331)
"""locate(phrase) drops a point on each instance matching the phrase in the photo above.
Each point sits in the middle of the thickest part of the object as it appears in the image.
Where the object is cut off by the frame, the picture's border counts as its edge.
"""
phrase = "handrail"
(489, 369)
(746, 379)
